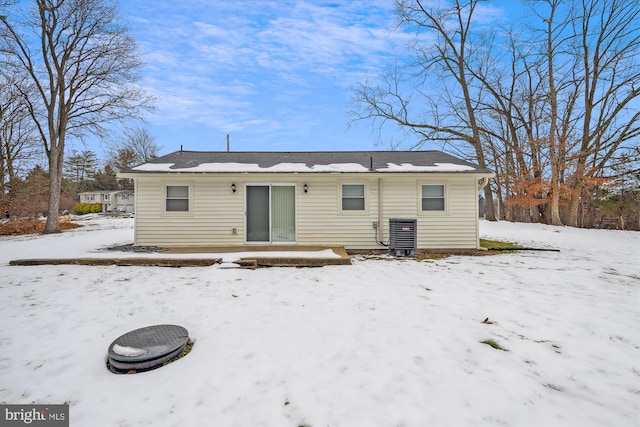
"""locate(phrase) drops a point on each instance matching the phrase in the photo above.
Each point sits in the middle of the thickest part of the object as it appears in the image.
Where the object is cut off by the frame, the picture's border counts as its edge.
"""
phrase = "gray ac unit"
(403, 239)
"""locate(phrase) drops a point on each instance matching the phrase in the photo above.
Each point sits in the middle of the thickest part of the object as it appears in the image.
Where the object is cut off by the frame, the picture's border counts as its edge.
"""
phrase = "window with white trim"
(177, 198)
(353, 197)
(433, 198)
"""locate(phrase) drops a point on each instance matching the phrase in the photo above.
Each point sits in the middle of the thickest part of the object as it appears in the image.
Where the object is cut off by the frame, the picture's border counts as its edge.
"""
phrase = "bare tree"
(568, 95)
(510, 126)
(588, 77)
(450, 115)
(83, 64)
(553, 110)
(552, 33)
(18, 142)
(609, 82)
(138, 146)
(122, 159)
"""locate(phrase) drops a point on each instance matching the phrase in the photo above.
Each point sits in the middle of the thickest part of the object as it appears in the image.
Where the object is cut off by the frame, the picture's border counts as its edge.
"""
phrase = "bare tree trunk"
(574, 201)
(490, 211)
(55, 185)
(553, 121)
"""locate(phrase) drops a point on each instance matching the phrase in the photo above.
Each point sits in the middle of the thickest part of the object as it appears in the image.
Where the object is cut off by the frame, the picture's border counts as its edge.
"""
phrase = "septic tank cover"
(147, 348)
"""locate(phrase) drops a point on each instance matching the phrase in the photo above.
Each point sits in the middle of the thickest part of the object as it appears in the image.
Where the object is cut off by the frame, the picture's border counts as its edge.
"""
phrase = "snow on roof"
(300, 167)
(308, 162)
(438, 167)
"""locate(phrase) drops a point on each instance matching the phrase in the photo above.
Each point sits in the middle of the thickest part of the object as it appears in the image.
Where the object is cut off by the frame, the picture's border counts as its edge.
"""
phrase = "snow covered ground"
(378, 343)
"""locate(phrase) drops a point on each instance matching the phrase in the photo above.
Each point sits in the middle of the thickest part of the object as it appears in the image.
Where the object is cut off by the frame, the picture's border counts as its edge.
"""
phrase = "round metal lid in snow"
(147, 347)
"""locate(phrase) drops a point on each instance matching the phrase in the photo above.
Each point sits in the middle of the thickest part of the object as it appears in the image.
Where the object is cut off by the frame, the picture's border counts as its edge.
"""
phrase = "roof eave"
(482, 173)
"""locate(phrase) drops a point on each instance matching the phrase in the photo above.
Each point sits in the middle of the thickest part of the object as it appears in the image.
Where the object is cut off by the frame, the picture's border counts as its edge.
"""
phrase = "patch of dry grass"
(17, 227)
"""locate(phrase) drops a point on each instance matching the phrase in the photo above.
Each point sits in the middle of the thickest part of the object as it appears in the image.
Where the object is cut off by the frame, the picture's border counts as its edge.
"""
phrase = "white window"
(177, 198)
(353, 197)
(433, 198)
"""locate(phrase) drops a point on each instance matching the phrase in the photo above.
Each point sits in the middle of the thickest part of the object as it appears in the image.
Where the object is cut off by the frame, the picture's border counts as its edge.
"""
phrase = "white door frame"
(246, 209)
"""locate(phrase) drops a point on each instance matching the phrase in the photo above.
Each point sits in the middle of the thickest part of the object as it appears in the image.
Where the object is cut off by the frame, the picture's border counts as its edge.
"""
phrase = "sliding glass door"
(283, 213)
(271, 213)
(258, 213)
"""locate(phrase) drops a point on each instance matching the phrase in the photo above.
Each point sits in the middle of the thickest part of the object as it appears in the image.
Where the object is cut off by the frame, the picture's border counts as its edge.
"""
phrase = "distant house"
(355, 199)
(111, 200)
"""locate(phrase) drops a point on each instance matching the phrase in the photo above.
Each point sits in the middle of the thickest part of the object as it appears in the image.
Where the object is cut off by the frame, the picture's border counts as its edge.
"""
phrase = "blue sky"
(274, 75)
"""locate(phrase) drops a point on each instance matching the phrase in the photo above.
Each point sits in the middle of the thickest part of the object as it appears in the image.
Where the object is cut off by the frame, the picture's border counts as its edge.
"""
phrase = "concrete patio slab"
(247, 257)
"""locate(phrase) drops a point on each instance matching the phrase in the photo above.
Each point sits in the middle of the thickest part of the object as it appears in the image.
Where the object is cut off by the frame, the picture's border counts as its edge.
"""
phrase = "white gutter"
(481, 183)
(484, 181)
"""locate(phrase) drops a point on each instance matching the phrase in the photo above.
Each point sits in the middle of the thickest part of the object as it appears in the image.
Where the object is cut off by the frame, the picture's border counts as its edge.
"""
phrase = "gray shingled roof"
(374, 161)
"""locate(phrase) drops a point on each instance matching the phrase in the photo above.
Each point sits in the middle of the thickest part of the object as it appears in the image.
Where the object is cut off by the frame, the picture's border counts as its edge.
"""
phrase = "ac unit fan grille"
(402, 237)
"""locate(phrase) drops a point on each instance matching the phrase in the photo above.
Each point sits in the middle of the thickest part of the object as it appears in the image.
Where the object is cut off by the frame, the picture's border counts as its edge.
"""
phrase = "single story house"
(111, 200)
(358, 199)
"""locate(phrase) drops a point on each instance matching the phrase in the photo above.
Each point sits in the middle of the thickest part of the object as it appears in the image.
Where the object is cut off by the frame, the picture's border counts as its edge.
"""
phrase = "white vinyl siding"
(217, 215)
(177, 198)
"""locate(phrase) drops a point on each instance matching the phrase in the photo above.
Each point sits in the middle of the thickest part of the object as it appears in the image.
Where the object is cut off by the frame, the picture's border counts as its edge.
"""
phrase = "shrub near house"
(86, 208)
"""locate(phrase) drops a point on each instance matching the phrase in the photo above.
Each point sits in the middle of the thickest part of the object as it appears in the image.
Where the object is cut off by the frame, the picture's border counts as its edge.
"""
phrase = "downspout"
(480, 184)
(380, 232)
(135, 211)
(483, 183)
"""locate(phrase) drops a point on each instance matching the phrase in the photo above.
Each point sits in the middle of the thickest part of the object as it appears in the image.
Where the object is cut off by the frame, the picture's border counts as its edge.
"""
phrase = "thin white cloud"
(254, 65)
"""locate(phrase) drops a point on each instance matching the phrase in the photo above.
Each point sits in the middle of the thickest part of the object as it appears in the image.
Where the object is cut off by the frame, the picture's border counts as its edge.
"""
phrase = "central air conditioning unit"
(403, 237)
